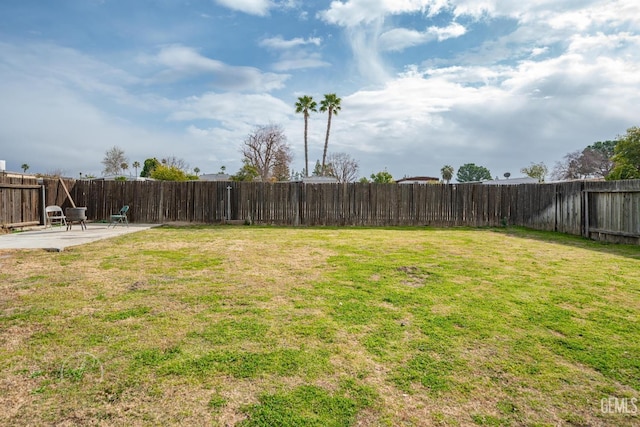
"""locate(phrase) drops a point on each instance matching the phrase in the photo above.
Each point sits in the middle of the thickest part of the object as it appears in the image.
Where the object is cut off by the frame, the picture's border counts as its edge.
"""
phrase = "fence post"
(229, 203)
(585, 216)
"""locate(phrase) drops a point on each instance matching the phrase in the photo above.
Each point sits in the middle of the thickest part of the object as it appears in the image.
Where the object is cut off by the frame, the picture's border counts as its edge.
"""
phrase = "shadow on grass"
(629, 251)
(626, 250)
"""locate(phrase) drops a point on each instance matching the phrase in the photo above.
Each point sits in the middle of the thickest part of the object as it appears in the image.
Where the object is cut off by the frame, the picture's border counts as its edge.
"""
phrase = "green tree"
(382, 177)
(536, 170)
(149, 166)
(124, 166)
(331, 105)
(196, 170)
(317, 170)
(607, 148)
(113, 160)
(136, 165)
(247, 172)
(627, 156)
(305, 105)
(25, 167)
(447, 173)
(469, 172)
(168, 173)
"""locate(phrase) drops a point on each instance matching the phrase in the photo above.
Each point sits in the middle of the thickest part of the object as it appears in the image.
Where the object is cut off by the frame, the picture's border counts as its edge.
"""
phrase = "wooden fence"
(600, 210)
(22, 199)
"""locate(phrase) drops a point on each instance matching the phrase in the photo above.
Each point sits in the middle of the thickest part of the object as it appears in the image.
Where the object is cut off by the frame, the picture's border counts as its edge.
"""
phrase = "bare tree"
(343, 167)
(570, 167)
(588, 163)
(113, 160)
(175, 162)
(596, 162)
(266, 150)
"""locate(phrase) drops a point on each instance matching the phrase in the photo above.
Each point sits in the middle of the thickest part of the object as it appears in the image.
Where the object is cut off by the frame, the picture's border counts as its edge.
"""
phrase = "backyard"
(269, 326)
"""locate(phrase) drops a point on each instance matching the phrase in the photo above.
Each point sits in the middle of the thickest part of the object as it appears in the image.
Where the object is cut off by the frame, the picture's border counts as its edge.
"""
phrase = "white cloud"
(605, 44)
(232, 109)
(356, 12)
(531, 111)
(399, 39)
(252, 7)
(295, 54)
(279, 43)
(183, 62)
(290, 62)
(451, 31)
(365, 26)
(537, 51)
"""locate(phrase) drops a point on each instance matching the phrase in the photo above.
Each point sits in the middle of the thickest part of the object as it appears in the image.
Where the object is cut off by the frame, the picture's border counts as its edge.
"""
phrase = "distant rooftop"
(215, 177)
(512, 181)
(418, 180)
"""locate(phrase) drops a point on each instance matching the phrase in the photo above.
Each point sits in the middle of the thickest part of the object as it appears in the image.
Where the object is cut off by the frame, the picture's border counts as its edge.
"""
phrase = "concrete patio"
(57, 238)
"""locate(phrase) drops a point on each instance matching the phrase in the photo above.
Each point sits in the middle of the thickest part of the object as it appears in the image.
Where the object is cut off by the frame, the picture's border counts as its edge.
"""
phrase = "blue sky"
(424, 83)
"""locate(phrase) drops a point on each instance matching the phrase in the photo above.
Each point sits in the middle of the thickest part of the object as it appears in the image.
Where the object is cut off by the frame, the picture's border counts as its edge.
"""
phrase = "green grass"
(262, 326)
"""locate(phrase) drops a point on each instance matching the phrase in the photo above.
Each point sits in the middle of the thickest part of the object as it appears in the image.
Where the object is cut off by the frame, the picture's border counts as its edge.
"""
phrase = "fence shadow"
(625, 250)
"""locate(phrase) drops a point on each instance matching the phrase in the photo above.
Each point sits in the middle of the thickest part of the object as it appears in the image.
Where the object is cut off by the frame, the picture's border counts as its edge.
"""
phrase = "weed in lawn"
(179, 260)
(155, 356)
(303, 406)
(487, 420)
(283, 362)
(229, 330)
(217, 402)
(314, 327)
(127, 313)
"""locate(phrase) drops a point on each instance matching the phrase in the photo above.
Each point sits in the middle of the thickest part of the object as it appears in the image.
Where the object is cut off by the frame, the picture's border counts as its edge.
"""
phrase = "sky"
(423, 83)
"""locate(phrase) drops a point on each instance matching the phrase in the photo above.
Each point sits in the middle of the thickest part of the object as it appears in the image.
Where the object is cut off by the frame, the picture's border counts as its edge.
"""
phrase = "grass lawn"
(262, 326)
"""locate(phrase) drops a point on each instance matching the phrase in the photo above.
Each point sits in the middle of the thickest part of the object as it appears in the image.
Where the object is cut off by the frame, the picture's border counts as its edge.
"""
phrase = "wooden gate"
(20, 201)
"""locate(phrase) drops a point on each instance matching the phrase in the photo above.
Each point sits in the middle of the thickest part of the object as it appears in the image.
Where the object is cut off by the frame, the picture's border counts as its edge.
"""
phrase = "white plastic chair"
(54, 215)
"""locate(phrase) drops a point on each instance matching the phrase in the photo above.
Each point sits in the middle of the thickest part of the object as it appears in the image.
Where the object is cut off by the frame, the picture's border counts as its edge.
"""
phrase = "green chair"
(120, 218)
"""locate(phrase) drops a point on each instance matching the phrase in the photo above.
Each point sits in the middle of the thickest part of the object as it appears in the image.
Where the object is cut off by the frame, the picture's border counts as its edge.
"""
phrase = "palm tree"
(304, 105)
(25, 167)
(447, 173)
(124, 166)
(331, 104)
(196, 170)
(136, 165)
